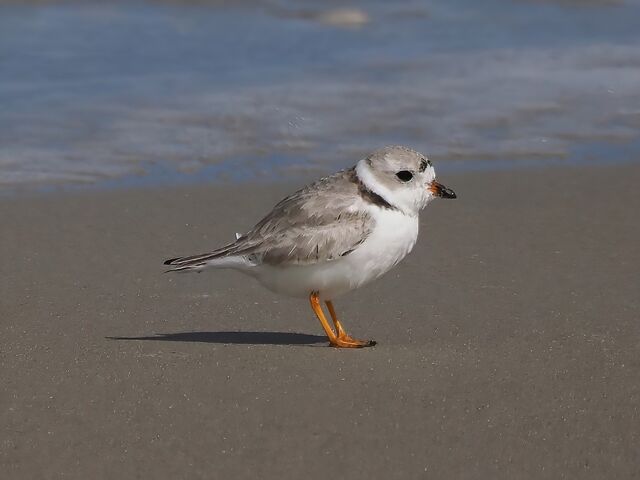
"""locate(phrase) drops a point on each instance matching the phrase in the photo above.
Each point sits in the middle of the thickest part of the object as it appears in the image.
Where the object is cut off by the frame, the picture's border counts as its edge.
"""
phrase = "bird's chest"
(392, 239)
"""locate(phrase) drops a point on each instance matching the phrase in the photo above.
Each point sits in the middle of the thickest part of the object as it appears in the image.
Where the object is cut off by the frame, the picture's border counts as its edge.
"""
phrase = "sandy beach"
(132, 132)
(508, 340)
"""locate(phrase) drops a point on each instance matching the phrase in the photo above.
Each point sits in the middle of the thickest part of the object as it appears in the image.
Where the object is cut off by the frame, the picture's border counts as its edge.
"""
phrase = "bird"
(334, 235)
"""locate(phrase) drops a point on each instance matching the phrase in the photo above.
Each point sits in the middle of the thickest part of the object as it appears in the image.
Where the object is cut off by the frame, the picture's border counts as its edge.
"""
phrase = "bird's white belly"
(392, 239)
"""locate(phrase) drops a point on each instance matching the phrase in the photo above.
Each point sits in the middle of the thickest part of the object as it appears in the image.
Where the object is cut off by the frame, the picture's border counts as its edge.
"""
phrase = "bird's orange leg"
(317, 309)
(342, 335)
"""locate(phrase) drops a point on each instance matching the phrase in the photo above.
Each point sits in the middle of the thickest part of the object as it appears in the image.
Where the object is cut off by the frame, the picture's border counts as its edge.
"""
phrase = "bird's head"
(403, 177)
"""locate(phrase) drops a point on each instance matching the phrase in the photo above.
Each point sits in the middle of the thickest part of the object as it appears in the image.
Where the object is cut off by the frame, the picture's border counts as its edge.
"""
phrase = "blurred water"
(107, 91)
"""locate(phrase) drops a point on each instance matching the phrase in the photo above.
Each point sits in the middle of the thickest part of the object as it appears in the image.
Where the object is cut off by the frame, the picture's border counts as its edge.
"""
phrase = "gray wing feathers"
(313, 225)
(183, 263)
(327, 238)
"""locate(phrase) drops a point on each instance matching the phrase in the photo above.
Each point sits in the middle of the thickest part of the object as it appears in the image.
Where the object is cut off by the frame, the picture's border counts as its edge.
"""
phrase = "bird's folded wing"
(317, 224)
(320, 223)
(304, 244)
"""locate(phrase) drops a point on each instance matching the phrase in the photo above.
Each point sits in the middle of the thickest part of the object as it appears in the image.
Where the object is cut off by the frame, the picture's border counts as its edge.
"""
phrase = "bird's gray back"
(315, 224)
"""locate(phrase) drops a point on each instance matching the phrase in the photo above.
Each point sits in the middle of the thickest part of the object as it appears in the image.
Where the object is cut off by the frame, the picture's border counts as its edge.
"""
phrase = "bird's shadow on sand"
(237, 338)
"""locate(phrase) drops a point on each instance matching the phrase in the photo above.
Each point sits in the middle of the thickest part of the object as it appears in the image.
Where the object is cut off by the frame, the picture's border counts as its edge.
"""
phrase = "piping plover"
(334, 235)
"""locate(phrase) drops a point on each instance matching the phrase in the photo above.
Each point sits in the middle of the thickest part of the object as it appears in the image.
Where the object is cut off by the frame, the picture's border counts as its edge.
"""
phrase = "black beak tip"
(448, 193)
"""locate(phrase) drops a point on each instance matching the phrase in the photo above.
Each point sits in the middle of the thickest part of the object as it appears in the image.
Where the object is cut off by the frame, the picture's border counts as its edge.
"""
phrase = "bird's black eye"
(404, 175)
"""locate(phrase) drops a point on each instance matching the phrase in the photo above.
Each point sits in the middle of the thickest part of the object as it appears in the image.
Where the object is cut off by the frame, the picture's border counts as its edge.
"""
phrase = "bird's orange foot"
(345, 341)
(339, 338)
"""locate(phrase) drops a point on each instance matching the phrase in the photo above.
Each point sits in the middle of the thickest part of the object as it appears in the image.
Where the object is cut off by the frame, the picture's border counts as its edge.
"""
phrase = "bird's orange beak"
(441, 191)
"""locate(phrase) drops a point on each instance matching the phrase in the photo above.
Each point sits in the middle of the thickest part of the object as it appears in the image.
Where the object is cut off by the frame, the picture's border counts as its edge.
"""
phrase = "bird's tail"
(198, 262)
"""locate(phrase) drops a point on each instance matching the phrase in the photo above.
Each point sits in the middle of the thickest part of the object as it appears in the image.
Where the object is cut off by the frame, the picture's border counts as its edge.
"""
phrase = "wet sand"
(508, 341)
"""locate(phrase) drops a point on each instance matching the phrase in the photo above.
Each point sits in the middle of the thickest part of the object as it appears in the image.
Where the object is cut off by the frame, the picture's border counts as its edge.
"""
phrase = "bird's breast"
(391, 240)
